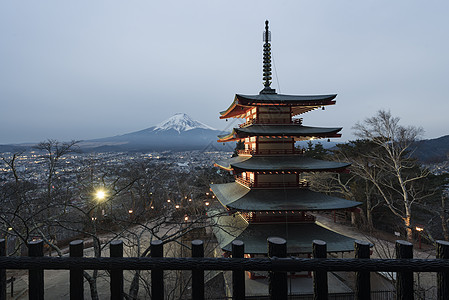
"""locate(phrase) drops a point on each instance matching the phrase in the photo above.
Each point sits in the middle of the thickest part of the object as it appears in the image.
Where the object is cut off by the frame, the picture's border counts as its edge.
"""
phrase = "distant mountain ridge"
(179, 133)
(433, 150)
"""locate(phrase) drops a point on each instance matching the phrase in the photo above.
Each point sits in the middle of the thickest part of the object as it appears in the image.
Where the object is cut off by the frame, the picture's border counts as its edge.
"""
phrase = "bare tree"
(53, 151)
(396, 173)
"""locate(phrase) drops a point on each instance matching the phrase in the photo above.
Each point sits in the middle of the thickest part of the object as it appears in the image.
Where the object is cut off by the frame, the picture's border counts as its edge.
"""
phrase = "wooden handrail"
(271, 152)
(251, 183)
(270, 122)
(404, 265)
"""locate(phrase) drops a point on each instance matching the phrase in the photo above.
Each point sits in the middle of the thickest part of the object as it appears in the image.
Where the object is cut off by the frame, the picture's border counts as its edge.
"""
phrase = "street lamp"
(100, 195)
(419, 229)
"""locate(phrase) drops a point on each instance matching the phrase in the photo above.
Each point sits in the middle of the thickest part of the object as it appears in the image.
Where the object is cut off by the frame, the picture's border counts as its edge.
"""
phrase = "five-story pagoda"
(270, 195)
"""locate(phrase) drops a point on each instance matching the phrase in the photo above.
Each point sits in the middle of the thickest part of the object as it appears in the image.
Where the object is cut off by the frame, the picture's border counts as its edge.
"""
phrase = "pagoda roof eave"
(282, 99)
(304, 103)
(236, 196)
(299, 132)
(299, 236)
(293, 163)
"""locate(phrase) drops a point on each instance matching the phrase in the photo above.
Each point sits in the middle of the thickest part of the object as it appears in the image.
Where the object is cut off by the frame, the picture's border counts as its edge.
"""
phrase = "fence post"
(76, 276)
(197, 275)
(362, 283)
(36, 277)
(443, 277)
(278, 288)
(157, 276)
(320, 289)
(404, 280)
(116, 284)
(2, 271)
(238, 277)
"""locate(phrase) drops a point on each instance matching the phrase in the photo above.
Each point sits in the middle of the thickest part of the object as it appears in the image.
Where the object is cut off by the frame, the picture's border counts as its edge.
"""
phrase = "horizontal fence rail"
(277, 265)
(226, 264)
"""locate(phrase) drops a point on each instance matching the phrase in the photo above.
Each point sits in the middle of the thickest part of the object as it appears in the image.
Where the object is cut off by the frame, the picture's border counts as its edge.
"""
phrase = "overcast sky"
(91, 69)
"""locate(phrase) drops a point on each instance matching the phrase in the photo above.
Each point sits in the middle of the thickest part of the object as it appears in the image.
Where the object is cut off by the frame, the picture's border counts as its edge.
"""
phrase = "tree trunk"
(444, 219)
(134, 288)
(408, 228)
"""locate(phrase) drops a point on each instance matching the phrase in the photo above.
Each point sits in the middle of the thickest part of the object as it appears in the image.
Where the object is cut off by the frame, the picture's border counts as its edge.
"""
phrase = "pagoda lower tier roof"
(299, 132)
(299, 236)
(295, 163)
(299, 103)
(238, 197)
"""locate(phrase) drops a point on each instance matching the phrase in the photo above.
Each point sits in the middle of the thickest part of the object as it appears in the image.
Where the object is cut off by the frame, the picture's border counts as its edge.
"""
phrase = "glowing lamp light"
(168, 200)
(100, 194)
(176, 206)
(419, 229)
(186, 218)
(130, 211)
(207, 194)
(207, 203)
(152, 207)
(190, 200)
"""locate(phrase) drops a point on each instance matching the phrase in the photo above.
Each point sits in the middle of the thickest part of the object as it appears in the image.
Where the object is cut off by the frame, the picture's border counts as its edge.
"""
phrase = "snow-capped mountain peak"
(180, 122)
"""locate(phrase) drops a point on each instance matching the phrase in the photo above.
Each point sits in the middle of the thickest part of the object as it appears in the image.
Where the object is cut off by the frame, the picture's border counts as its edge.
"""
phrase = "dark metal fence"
(277, 265)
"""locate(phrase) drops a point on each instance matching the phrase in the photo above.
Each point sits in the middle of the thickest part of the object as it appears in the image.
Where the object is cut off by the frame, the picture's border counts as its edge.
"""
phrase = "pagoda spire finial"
(267, 62)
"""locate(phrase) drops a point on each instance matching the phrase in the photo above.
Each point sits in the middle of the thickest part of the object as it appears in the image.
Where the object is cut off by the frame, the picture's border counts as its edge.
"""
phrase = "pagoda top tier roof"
(299, 236)
(295, 163)
(299, 132)
(236, 196)
(300, 103)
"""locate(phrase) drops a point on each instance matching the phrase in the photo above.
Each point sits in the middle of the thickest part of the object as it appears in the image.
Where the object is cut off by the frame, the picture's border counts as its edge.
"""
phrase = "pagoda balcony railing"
(300, 184)
(276, 216)
(271, 152)
(258, 121)
(245, 182)
(247, 123)
(251, 184)
(276, 263)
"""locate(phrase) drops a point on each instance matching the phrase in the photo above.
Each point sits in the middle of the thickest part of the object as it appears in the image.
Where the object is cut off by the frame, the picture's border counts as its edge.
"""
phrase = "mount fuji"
(180, 122)
(178, 133)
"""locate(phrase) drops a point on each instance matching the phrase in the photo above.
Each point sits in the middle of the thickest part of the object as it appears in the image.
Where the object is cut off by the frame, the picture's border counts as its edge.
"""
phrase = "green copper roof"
(299, 236)
(296, 99)
(280, 163)
(236, 196)
(281, 130)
